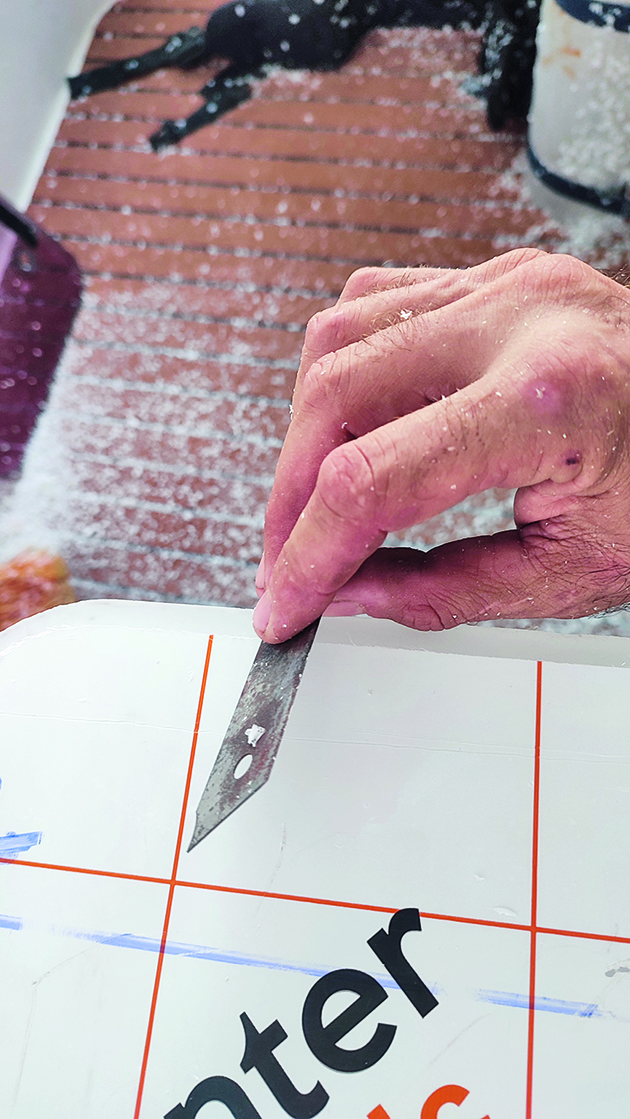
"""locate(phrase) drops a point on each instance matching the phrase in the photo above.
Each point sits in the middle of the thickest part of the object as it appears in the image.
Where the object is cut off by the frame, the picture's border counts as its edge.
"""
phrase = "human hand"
(422, 387)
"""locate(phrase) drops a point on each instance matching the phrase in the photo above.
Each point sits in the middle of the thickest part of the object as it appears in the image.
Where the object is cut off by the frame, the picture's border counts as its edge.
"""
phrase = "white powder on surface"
(33, 514)
(96, 509)
(7, 486)
(564, 226)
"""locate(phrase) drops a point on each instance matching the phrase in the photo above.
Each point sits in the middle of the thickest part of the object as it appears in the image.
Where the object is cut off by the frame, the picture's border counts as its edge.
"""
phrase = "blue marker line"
(10, 923)
(553, 1006)
(13, 844)
(205, 952)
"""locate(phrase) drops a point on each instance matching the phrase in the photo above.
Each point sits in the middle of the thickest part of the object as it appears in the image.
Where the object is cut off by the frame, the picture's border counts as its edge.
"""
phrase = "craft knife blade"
(255, 730)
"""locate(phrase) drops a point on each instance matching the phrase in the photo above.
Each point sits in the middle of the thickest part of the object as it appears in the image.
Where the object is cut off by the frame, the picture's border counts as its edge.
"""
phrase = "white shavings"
(168, 530)
(253, 734)
(596, 150)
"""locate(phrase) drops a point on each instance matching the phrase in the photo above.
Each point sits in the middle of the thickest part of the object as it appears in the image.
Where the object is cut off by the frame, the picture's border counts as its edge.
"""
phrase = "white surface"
(406, 778)
(43, 42)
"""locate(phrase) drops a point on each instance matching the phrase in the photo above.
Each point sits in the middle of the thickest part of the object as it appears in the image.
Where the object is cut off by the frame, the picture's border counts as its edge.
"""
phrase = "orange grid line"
(363, 906)
(584, 935)
(332, 902)
(173, 881)
(86, 870)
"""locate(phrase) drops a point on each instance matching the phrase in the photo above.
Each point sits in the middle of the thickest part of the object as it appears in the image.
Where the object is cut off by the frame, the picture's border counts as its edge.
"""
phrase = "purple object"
(40, 292)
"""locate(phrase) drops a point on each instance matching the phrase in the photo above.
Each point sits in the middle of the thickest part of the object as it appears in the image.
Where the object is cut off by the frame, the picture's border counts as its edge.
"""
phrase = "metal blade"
(255, 730)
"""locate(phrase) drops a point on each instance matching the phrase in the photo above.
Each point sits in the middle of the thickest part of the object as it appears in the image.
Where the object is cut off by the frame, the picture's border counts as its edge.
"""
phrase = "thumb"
(526, 573)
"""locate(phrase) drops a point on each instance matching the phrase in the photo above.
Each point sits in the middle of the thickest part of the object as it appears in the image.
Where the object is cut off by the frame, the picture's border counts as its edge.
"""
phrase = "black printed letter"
(215, 1088)
(322, 1040)
(387, 948)
(259, 1055)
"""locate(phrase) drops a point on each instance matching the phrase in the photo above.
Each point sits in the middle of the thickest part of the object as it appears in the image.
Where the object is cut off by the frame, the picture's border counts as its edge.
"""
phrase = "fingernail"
(261, 615)
(343, 610)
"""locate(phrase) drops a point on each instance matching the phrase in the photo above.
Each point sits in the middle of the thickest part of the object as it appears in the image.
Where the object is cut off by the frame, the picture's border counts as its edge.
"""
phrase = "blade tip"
(198, 834)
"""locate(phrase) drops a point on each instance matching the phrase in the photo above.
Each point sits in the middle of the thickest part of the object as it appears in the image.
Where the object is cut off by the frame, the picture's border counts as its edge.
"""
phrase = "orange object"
(32, 582)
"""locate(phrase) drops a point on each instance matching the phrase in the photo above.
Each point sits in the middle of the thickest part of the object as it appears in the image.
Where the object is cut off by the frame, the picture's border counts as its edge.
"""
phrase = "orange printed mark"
(450, 1093)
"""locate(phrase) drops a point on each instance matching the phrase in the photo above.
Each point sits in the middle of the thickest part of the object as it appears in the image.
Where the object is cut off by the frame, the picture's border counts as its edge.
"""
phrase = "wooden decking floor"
(203, 265)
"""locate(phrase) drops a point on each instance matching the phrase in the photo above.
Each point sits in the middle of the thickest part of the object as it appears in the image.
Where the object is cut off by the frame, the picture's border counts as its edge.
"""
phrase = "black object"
(507, 59)
(610, 201)
(256, 35)
(225, 92)
(18, 224)
(600, 14)
(183, 49)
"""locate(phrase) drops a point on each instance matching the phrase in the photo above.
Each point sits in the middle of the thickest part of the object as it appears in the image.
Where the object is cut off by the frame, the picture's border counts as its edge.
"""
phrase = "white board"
(456, 779)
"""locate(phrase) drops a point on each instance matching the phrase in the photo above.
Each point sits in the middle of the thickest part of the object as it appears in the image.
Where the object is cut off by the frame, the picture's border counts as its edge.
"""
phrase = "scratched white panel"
(101, 720)
(262, 957)
(581, 1063)
(138, 674)
(399, 771)
(585, 799)
(74, 1001)
(404, 780)
(99, 795)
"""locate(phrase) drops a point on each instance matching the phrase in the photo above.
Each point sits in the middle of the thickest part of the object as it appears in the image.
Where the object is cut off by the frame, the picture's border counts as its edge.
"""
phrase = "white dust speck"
(253, 734)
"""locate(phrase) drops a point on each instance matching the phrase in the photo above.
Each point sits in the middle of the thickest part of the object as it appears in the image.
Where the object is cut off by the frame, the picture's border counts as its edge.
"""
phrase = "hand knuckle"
(439, 609)
(323, 383)
(516, 257)
(569, 270)
(361, 282)
(560, 275)
(587, 574)
(323, 329)
(346, 483)
(313, 330)
(423, 616)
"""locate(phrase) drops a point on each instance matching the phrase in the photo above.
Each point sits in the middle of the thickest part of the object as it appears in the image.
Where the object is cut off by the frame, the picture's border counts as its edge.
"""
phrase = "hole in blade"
(243, 766)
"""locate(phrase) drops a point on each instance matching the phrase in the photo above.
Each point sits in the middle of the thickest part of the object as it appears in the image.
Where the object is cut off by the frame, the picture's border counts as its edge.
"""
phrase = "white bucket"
(579, 123)
(43, 42)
